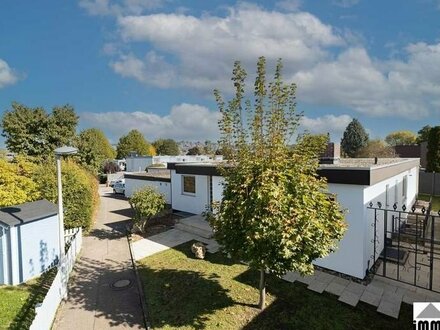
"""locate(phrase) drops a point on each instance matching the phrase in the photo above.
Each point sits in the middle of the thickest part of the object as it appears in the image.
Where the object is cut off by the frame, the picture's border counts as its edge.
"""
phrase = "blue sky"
(152, 64)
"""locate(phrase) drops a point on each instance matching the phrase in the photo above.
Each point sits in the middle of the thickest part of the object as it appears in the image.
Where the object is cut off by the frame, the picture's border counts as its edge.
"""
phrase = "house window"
(405, 186)
(189, 184)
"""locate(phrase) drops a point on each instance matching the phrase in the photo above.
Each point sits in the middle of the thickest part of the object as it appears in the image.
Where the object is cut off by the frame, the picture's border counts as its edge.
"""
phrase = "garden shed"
(29, 240)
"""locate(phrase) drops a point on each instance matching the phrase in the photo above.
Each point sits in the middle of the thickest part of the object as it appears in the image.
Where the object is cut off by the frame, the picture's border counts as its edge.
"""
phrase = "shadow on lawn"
(38, 291)
(296, 307)
(167, 292)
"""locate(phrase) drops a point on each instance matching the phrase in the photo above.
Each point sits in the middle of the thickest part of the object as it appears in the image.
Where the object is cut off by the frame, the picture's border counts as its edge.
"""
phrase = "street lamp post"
(59, 152)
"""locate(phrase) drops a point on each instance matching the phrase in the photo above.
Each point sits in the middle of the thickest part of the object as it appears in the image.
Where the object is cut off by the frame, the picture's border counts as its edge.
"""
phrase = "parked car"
(119, 187)
(112, 182)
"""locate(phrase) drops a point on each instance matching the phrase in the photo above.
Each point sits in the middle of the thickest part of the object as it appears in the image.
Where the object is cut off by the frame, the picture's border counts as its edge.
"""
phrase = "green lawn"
(435, 201)
(12, 299)
(17, 303)
(215, 293)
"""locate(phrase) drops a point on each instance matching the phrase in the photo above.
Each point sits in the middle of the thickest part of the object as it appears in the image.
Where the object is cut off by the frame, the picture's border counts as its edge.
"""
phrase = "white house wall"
(39, 246)
(377, 193)
(138, 164)
(132, 185)
(217, 188)
(190, 203)
(348, 258)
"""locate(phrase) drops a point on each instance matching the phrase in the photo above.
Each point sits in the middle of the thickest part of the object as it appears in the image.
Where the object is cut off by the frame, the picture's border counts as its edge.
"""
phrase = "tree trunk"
(262, 302)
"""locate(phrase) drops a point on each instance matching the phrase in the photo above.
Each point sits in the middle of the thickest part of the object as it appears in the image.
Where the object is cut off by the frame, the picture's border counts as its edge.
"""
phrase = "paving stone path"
(385, 294)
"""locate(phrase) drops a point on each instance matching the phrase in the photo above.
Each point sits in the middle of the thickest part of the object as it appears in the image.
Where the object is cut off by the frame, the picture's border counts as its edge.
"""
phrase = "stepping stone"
(308, 279)
(325, 278)
(411, 297)
(349, 298)
(341, 281)
(395, 297)
(370, 298)
(291, 277)
(355, 288)
(317, 286)
(376, 290)
(389, 308)
(335, 288)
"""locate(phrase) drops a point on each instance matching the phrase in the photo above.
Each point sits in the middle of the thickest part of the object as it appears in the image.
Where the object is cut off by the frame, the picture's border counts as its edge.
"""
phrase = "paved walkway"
(105, 258)
(385, 294)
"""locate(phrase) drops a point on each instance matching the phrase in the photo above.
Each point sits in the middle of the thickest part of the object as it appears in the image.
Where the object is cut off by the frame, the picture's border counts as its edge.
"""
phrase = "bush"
(80, 192)
(433, 156)
(16, 184)
(146, 203)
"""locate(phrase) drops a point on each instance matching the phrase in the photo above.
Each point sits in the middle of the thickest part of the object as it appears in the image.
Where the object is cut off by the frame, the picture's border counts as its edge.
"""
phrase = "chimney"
(331, 155)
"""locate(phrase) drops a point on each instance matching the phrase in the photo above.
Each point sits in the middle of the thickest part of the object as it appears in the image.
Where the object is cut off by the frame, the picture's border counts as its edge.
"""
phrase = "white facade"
(355, 252)
(27, 249)
(133, 184)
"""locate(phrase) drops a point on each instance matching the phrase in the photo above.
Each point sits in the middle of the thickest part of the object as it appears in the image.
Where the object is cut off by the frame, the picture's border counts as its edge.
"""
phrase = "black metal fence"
(406, 244)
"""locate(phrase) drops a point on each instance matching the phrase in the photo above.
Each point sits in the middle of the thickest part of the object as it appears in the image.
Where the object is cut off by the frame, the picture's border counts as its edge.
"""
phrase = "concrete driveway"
(94, 302)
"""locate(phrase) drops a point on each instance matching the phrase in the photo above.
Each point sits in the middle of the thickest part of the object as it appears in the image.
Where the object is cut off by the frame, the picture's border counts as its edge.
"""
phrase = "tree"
(433, 155)
(146, 203)
(423, 134)
(194, 151)
(355, 137)
(93, 149)
(166, 147)
(34, 132)
(135, 142)
(376, 148)
(275, 213)
(209, 148)
(400, 137)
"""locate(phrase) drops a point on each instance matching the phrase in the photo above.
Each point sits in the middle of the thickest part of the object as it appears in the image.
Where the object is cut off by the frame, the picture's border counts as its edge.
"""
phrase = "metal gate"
(406, 244)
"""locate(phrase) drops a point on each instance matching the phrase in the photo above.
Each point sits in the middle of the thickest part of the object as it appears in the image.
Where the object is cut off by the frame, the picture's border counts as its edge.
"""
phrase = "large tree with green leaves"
(355, 138)
(34, 132)
(275, 213)
(423, 134)
(135, 142)
(400, 137)
(166, 147)
(433, 155)
(94, 148)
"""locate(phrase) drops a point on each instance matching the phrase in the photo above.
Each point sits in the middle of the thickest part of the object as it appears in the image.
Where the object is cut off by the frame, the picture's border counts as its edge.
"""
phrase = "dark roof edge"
(146, 178)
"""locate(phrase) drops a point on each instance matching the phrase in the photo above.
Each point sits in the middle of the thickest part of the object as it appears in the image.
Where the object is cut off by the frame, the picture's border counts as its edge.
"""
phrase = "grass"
(17, 303)
(216, 293)
(12, 299)
(435, 201)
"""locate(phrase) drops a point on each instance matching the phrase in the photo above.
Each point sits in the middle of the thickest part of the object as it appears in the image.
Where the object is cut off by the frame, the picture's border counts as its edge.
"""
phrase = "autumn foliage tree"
(401, 137)
(275, 213)
(134, 141)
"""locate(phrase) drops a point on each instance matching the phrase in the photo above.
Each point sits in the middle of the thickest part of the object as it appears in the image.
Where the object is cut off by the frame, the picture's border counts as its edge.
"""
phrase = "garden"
(218, 293)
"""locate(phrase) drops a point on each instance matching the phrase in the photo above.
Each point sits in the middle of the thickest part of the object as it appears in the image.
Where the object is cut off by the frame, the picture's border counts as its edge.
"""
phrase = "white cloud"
(7, 75)
(205, 47)
(119, 7)
(184, 122)
(335, 125)
(330, 66)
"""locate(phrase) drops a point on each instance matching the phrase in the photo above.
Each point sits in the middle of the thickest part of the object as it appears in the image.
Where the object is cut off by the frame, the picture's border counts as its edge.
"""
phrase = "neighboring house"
(354, 182)
(413, 151)
(29, 240)
(136, 163)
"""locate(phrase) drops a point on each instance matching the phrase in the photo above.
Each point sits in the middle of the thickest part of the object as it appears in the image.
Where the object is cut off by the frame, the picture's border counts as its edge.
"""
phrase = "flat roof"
(156, 176)
(358, 171)
(28, 212)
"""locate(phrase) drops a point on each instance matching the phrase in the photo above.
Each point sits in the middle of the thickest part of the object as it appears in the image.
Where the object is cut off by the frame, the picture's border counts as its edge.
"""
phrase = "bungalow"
(354, 182)
(29, 240)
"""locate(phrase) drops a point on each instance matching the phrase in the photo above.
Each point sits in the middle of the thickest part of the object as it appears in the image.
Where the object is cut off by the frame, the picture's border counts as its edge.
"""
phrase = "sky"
(153, 64)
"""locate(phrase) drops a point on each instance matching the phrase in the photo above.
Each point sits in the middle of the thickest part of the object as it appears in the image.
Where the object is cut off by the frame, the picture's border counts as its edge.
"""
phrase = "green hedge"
(80, 192)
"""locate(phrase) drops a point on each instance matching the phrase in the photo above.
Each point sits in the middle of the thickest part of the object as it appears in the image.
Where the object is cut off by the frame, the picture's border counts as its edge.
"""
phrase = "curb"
(141, 291)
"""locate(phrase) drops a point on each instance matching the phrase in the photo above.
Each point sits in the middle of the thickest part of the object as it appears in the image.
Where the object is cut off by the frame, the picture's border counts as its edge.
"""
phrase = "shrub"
(146, 203)
(433, 155)
(80, 192)
(16, 184)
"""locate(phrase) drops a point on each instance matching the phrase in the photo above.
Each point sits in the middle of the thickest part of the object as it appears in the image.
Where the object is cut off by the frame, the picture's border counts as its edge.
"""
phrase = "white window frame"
(405, 187)
(387, 196)
(183, 185)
